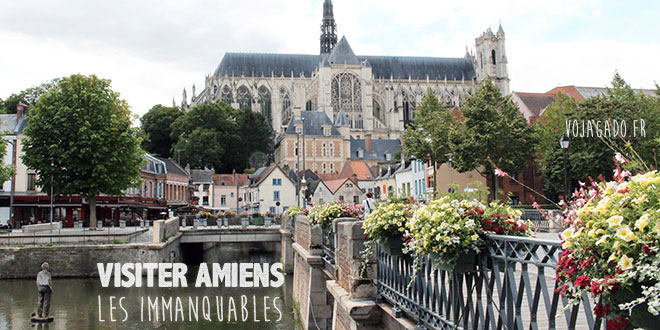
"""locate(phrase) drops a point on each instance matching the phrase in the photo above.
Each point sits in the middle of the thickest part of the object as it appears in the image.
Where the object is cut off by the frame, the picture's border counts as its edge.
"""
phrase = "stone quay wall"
(80, 260)
(165, 229)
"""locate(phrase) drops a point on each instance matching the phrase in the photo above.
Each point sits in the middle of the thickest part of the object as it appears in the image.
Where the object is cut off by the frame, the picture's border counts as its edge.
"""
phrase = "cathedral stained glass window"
(264, 103)
(244, 98)
(226, 94)
(346, 93)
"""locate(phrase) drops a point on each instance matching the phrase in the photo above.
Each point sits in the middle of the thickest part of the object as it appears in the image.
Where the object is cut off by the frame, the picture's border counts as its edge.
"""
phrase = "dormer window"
(388, 157)
(326, 131)
(360, 153)
(298, 129)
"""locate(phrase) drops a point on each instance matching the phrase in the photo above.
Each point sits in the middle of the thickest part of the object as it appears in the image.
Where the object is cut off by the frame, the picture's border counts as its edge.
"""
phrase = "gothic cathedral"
(377, 93)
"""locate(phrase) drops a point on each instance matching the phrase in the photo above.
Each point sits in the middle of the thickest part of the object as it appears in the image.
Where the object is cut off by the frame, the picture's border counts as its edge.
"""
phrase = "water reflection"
(75, 302)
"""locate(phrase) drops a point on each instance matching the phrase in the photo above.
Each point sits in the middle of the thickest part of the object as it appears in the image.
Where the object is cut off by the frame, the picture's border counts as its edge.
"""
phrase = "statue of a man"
(45, 287)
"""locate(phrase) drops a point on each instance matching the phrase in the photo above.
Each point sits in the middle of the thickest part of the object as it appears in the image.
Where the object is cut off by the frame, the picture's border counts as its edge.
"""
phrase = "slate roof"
(397, 67)
(536, 102)
(379, 148)
(173, 167)
(8, 123)
(341, 119)
(314, 120)
(343, 54)
(201, 175)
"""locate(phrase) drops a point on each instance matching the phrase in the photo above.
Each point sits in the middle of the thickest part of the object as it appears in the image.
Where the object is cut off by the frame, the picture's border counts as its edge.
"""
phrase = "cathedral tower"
(490, 59)
(328, 29)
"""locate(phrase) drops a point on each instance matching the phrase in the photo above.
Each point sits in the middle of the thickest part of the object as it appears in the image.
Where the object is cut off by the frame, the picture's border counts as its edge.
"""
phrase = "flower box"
(466, 262)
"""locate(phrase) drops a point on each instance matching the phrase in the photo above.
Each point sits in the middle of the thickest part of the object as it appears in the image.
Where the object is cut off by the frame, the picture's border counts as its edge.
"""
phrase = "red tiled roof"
(357, 167)
(228, 179)
(334, 185)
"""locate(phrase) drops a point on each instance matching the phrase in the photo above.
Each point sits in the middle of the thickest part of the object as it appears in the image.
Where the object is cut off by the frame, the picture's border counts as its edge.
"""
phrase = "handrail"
(514, 287)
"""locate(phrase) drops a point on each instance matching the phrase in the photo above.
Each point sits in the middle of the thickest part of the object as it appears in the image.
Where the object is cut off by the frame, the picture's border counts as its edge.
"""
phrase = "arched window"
(409, 106)
(346, 93)
(358, 122)
(492, 54)
(264, 103)
(378, 110)
(286, 105)
(332, 150)
(226, 94)
(244, 98)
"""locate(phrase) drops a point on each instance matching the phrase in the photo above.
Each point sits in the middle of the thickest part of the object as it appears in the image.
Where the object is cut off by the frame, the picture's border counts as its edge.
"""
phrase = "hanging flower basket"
(466, 262)
(392, 245)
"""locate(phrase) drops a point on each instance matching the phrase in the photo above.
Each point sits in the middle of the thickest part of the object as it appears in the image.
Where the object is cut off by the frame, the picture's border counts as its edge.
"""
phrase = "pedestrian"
(45, 287)
(368, 205)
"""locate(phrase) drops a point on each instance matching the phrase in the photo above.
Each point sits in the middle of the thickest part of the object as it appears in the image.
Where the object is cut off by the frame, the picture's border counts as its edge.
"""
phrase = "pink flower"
(619, 158)
(535, 205)
(501, 173)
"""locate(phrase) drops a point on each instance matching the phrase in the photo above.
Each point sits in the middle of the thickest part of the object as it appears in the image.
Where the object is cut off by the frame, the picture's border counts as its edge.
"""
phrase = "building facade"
(377, 93)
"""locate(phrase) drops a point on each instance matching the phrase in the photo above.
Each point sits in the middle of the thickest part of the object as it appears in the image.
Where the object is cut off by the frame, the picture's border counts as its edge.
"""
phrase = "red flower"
(583, 281)
(489, 222)
(498, 230)
(646, 249)
(480, 211)
(623, 191)
(470, 212)
(487, 228)
(596, 287)
(618, 323)
(602, 310)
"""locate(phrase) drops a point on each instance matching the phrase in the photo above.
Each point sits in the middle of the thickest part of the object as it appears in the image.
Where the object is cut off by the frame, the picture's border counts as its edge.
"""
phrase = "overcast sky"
(153, 49)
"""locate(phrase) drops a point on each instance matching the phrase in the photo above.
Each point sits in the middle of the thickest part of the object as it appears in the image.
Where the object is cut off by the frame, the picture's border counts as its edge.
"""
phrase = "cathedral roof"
(313, 126)
(341, 119)
(343, 54)
(397, 67)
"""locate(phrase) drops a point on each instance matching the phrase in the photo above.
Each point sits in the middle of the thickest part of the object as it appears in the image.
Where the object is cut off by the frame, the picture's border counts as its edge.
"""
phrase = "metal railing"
(514, 287)
(539, 222)
(328, 250)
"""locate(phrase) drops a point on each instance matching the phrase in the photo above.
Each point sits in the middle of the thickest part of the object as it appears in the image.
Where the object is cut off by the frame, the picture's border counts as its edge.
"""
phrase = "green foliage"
(6, 170)
(80, 136)
(220, 137)
(28, 96)
(593, 156)
(156, 125)
(249, 171)
(491, 129)
(429, 135)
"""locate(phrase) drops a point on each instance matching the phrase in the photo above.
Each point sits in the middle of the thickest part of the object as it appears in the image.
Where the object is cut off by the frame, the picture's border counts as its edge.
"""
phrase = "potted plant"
(229, 214)
(245, 220)
(387, 225)
(258, 218)
(448, 231)
(322, 215)
(268, 220)
(611, 249)
(500, 219)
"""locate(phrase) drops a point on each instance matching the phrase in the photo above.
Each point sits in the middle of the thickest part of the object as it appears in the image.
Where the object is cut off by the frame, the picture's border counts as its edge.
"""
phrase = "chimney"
(21, 111)
(367, 142)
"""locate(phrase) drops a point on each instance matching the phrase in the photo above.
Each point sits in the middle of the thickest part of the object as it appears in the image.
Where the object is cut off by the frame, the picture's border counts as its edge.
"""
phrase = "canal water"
(75, 302)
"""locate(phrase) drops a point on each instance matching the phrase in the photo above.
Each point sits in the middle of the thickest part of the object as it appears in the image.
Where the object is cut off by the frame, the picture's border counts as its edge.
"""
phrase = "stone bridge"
(230, 235)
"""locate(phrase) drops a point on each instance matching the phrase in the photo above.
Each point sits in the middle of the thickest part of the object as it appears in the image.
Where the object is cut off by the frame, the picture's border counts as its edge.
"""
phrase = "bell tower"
(328, 29)
(490, 60)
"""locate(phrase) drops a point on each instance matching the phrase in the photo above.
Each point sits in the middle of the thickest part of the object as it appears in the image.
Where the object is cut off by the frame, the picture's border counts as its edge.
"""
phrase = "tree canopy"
(491, 129)
(220, 137)
(428, 136)
(156, 126)
(79, 136)
(590, 155)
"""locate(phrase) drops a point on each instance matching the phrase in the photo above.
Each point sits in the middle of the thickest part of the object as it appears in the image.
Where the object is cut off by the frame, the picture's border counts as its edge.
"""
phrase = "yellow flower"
(616, 245)
(642, 222)
(612, 258)
(615, 220)
(602, 240)
(625, 263)
(568, 233)
(600, 232)
(592, 233)
(475, 237)
(625, 234)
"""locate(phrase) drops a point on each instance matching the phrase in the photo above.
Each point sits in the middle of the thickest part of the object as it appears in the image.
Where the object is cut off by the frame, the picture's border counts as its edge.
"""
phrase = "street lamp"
(451, 179)
(564, 142)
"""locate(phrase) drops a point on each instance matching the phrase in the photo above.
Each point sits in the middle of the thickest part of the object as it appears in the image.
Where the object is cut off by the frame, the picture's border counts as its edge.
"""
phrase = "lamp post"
(451, 178)
(564, 142)
(11, 188)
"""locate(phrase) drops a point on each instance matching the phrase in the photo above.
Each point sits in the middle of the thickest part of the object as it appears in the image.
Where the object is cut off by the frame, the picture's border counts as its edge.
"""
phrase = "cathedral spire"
(328, 28)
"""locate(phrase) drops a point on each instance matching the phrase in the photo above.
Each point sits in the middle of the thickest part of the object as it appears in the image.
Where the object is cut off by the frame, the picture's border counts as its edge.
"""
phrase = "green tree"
(156, 125)
(220, 137)
(79, 140)
(492, 129)
(588, 154)
(428, 136)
